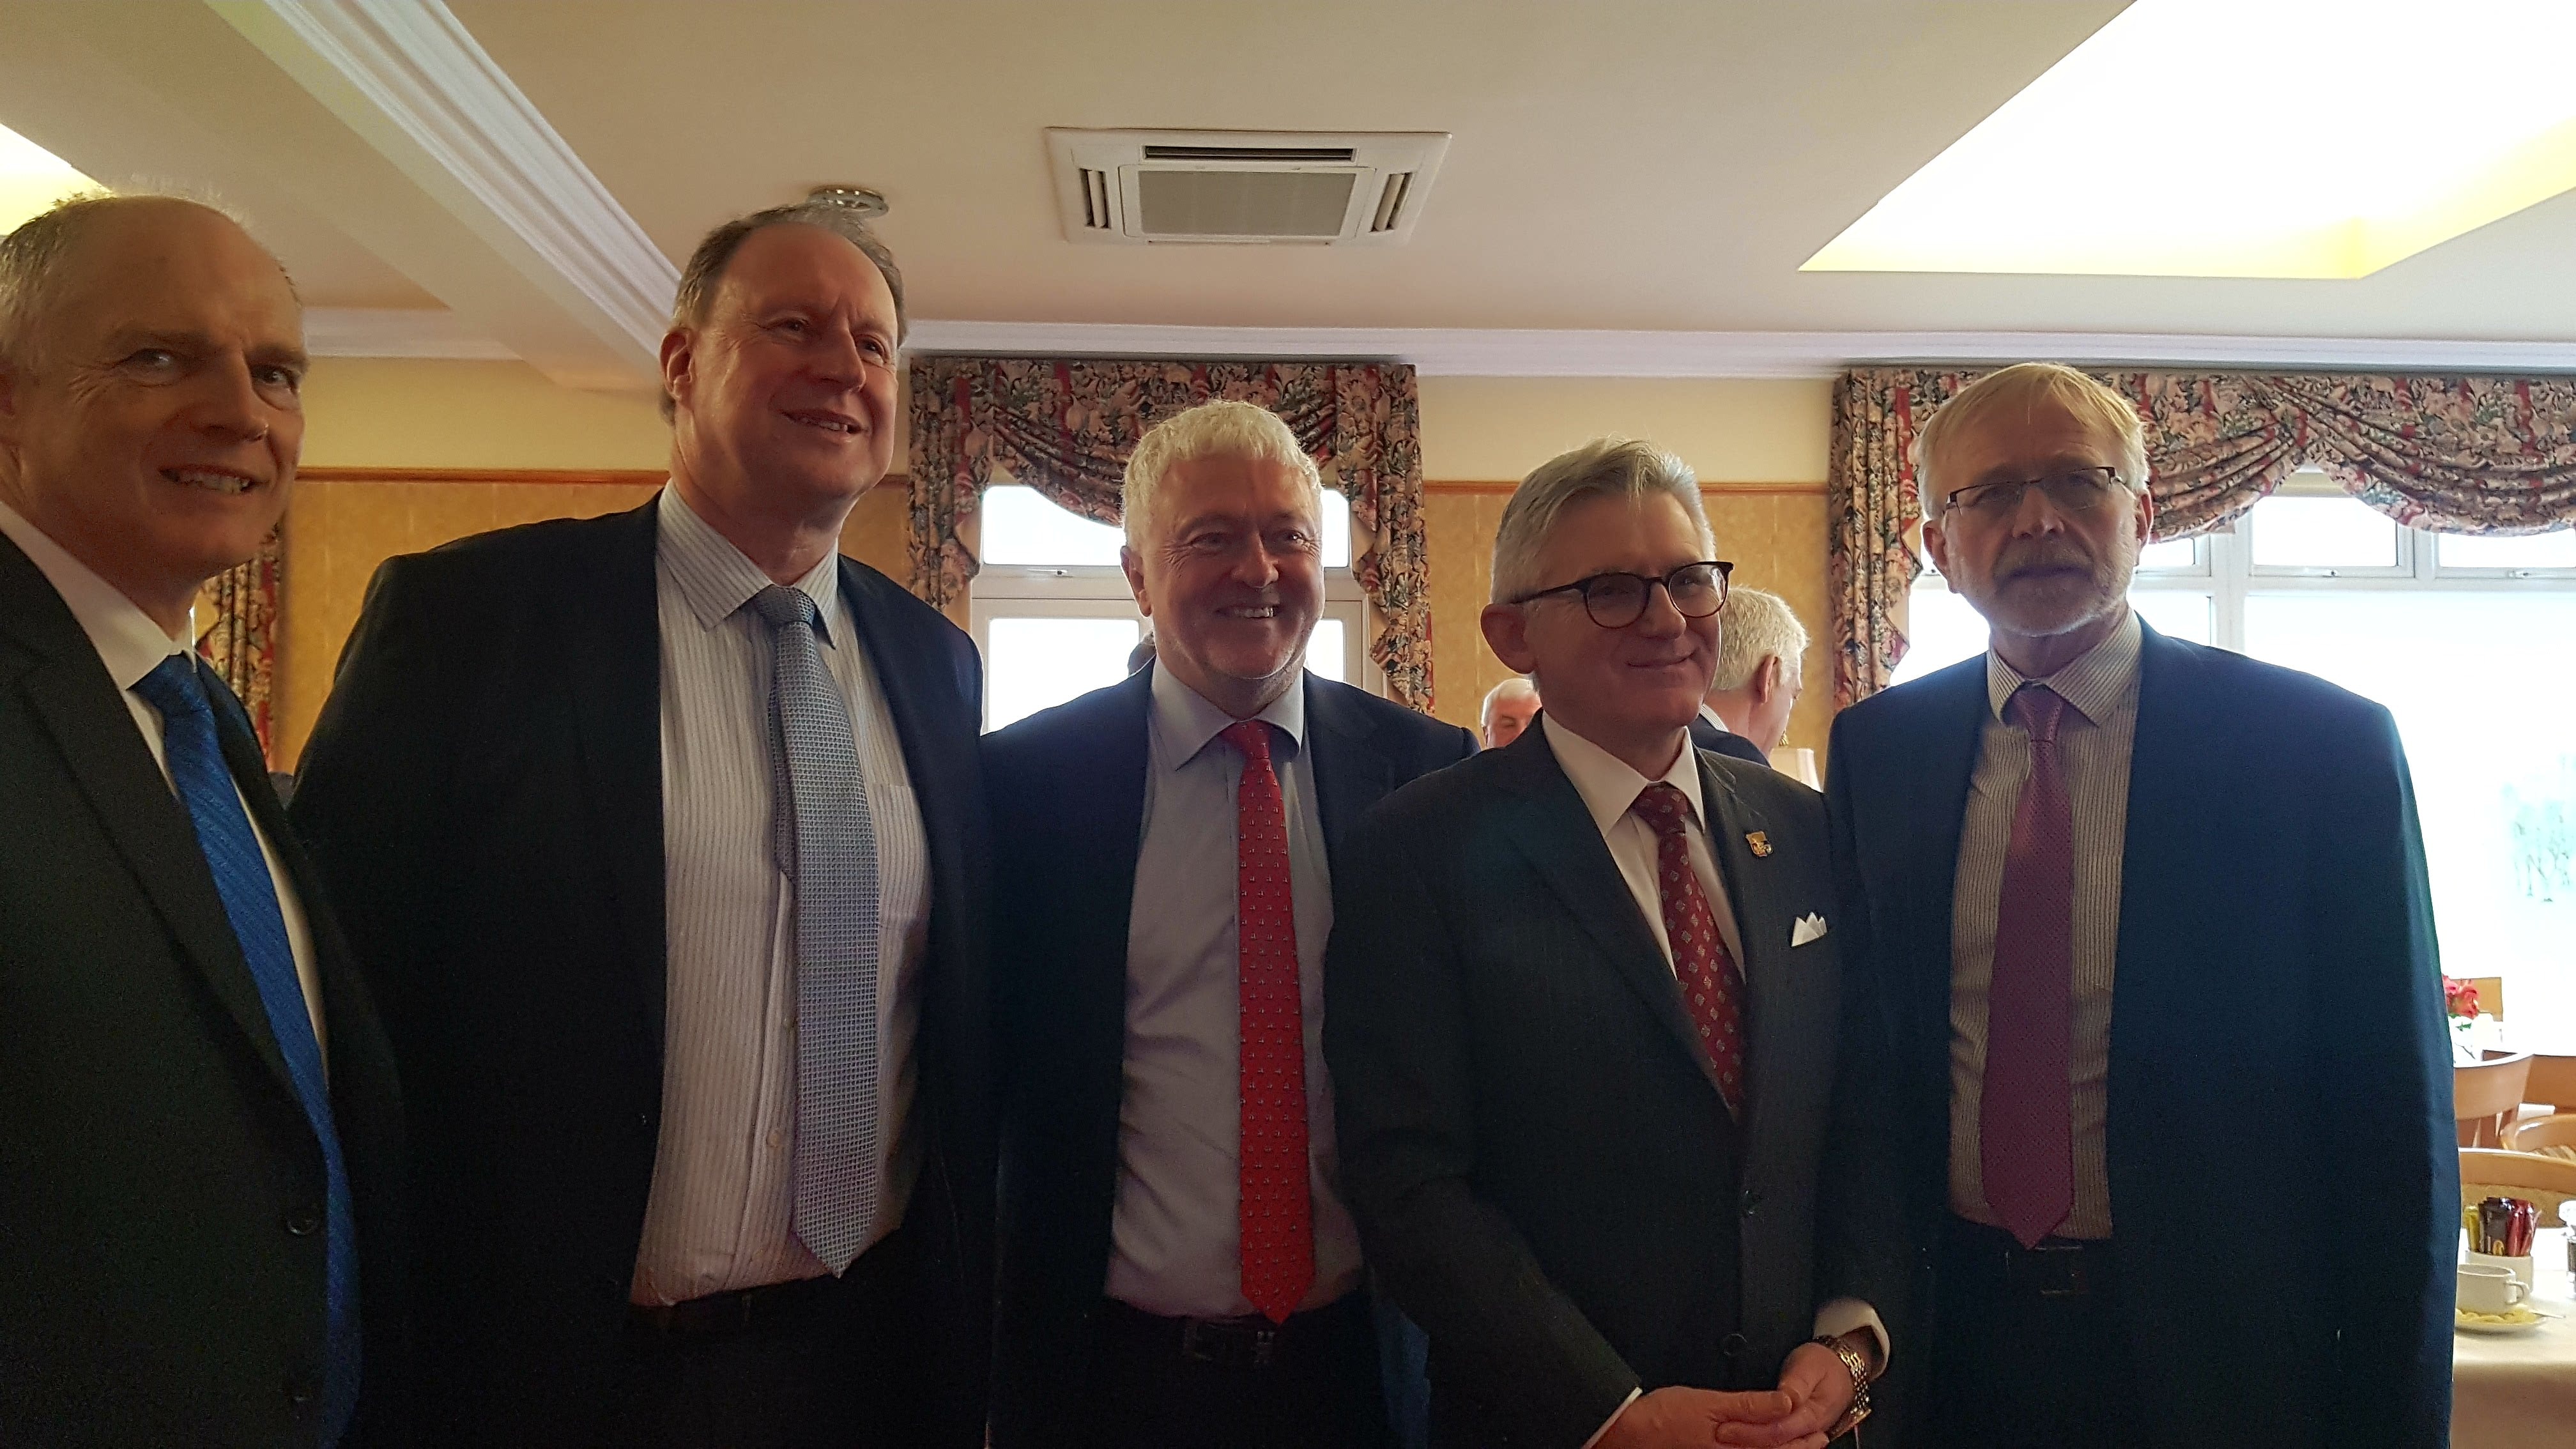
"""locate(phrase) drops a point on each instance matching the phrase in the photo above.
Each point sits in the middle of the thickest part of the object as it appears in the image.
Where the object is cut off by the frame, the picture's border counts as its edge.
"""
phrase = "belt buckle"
(2059, 1269)
(1229, 1343)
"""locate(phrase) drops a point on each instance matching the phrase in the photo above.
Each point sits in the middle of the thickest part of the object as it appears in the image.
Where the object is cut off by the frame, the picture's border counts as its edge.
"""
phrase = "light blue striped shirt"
(723, 1175)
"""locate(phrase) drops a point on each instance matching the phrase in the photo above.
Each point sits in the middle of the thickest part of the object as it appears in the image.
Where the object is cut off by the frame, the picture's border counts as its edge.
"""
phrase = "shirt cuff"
(1841, 1315)
(1613, 1419)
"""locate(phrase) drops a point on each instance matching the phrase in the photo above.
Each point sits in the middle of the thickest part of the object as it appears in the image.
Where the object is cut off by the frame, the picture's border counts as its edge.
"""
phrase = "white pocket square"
(1810, 927)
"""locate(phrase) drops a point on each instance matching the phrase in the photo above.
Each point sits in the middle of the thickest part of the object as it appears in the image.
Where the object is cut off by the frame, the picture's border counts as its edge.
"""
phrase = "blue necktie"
(232, 853)
(825, 843)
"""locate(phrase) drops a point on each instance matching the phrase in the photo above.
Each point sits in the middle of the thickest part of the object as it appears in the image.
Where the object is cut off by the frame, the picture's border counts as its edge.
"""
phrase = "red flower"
(2460, 996)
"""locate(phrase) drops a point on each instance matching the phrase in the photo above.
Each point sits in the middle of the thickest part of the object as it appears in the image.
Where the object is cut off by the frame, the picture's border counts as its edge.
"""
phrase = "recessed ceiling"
(32, 179)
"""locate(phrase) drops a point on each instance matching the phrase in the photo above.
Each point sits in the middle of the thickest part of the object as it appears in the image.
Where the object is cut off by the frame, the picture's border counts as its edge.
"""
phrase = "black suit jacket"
(1068, 793)
(161, 1281)
(484, 793)
(1725, 742)
(2276, 1030)
(1542, 1169)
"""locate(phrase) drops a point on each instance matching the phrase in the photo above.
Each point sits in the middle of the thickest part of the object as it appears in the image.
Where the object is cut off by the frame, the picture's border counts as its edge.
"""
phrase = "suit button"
(1752, 1200)
(302, 1392)
(1731, 1345)
(304, 1222)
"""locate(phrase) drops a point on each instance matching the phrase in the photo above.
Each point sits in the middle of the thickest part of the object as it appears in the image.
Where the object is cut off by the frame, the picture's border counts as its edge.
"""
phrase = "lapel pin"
(1757, 842)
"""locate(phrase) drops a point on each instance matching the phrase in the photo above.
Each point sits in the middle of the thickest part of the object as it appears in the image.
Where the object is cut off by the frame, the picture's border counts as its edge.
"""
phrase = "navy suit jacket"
(2284, 1179)
(1068, 793)
(1725, 742)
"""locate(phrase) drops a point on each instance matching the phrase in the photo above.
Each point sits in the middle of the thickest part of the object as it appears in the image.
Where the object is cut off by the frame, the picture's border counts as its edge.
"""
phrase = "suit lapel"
(613, 665)
(1350, 773)
(1762, 923)
(1948, 728)
(1547, 821)
(69, 689)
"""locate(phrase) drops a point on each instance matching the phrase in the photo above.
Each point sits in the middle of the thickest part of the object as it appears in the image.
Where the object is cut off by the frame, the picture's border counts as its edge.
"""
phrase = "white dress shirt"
(1610, 787)
(132, 646)
(724, 1171)
(1175, 1234)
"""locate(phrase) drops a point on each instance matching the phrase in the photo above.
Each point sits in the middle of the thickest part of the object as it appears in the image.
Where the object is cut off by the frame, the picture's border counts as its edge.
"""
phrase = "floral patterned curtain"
(2460, 454)
(1066, 428)
(240, 640)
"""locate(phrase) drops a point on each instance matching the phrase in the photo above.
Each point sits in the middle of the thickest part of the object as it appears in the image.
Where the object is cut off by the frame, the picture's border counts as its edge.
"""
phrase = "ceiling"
(1622, 165)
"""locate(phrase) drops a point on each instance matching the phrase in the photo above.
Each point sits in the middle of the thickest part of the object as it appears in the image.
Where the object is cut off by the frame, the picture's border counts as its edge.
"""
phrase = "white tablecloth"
(2518, 1391)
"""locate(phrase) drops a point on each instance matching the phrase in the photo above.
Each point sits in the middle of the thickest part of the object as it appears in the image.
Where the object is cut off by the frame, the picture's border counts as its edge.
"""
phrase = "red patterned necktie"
(1710, 985)
(1273, 1213)
(2025, 1134)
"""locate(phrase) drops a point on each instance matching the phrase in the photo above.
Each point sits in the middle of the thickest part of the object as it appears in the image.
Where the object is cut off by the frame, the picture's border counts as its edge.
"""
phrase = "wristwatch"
(1858, 1368)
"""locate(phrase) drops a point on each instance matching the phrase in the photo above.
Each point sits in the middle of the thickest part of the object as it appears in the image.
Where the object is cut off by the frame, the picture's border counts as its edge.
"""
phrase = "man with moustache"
(1582, 1013)
(199, 1130)
(663, 833)
(2149, 931)
(1509, 709)
(1178, 1266)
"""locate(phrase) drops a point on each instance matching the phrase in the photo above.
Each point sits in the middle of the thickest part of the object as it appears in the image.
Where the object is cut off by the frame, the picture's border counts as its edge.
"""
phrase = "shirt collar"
(2092, 684)
(1711, 716)
(715, 579)
(1607, 784)
(127, 641)
(1184, 721)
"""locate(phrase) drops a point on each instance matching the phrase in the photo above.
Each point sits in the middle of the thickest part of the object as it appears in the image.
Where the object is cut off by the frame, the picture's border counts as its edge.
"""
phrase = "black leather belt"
(778, 1304)
(2052, 1268)
(1250, 1342)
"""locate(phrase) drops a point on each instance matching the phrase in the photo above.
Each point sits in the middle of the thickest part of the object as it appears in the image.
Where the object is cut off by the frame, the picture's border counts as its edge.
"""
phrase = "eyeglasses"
(2072, 490)
(1617, 600)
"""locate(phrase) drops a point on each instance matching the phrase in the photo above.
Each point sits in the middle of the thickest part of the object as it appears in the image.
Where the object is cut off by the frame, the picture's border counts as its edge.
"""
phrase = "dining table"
(2518, 1390)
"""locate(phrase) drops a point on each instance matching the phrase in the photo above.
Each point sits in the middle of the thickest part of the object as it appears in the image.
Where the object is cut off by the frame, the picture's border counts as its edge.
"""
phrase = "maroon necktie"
(1273, 1214)
(1710, 985)
(2025, 1136)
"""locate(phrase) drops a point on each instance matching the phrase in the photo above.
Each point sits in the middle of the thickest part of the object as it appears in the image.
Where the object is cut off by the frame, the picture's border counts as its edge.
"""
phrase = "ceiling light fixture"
(2247, 138)
(32, 179)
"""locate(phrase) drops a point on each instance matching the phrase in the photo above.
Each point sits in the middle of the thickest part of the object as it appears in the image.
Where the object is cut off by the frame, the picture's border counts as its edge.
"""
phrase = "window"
(1054, 617)
(2462, 638)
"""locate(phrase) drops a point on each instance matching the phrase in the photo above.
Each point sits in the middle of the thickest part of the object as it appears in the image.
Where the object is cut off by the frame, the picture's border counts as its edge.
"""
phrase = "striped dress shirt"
(2095, 739)
(724, 1170)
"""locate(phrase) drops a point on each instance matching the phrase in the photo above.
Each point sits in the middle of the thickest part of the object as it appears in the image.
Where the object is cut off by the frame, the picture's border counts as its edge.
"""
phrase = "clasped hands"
(1814, 1391)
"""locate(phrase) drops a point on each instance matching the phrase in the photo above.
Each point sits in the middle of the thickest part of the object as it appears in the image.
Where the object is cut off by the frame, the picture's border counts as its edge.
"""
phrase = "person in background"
(2149, 929)
(1760, 673)
(1582, 1011)
(200, 1136)
(663, 832)
(1179, 1268)
(1509, 708)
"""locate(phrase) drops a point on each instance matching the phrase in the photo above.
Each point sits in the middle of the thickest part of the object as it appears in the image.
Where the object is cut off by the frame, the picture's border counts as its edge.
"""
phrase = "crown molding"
(409, 79)
(1502, 352)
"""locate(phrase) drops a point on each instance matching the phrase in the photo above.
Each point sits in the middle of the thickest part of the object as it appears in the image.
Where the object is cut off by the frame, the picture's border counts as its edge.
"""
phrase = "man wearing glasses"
(2148, 931)
(1583, 1009)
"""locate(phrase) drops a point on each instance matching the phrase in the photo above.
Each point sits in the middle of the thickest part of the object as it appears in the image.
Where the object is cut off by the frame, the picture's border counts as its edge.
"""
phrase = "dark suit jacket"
(484, 793)
(1542, 1169)
(1725, 742)
(1068, 793)
(2276, 1033)
(161, 1281)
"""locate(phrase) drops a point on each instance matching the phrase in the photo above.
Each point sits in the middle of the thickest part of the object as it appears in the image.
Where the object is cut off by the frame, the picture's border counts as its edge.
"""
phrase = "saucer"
(2513, 1320)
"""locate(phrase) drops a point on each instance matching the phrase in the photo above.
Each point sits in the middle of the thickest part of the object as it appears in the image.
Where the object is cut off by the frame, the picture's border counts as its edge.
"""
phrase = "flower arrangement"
(2461, 998)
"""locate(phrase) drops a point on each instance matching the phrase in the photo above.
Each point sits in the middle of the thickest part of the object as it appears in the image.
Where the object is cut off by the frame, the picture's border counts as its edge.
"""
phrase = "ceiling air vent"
(1129, 188)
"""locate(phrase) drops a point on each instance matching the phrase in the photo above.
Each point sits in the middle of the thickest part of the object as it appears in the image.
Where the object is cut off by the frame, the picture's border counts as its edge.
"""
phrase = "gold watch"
(1858, 1368)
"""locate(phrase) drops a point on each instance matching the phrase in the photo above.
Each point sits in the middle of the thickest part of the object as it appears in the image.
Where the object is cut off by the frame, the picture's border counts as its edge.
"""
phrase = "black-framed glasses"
(1616, 600)
(2072, 490)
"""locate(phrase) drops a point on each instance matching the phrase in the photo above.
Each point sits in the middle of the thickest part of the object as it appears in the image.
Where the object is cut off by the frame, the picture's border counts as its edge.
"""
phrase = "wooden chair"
(2553, 1081)
(2485, 1095)
(2542, 1134)
(2544, 1182)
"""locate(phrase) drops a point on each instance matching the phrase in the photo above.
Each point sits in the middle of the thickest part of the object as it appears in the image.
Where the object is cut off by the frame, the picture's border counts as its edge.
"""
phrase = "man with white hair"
(1509, 708)
(1179, 1268)
(199, 1130)
(1583, 1018)
(2070, 864)
(1761, 670)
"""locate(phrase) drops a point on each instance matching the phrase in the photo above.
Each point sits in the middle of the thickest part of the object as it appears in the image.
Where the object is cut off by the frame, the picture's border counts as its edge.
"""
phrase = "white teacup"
(2484, 1289)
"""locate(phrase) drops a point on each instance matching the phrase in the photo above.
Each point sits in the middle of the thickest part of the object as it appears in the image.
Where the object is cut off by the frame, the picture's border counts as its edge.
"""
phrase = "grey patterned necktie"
(826, 845)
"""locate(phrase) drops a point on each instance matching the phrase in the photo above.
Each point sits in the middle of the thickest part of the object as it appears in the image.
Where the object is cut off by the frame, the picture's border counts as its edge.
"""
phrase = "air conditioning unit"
(1132, 188)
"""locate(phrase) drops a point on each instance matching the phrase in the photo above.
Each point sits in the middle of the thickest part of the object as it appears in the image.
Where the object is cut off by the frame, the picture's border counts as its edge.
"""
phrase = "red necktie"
(1273, 1213)
(2025, 1133)
(1701, 964)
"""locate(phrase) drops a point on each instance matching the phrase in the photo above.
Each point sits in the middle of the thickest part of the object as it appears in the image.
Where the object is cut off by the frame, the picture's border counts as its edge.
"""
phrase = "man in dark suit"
(1583, 1014)
(1761, 671)
(1148, 1299)
(2150, 931)
(663, 834)
(199, 1129)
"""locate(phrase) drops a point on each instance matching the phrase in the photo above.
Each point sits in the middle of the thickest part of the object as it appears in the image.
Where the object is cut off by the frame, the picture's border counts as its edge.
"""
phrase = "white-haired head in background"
(1509, 708)
(1761, 667)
